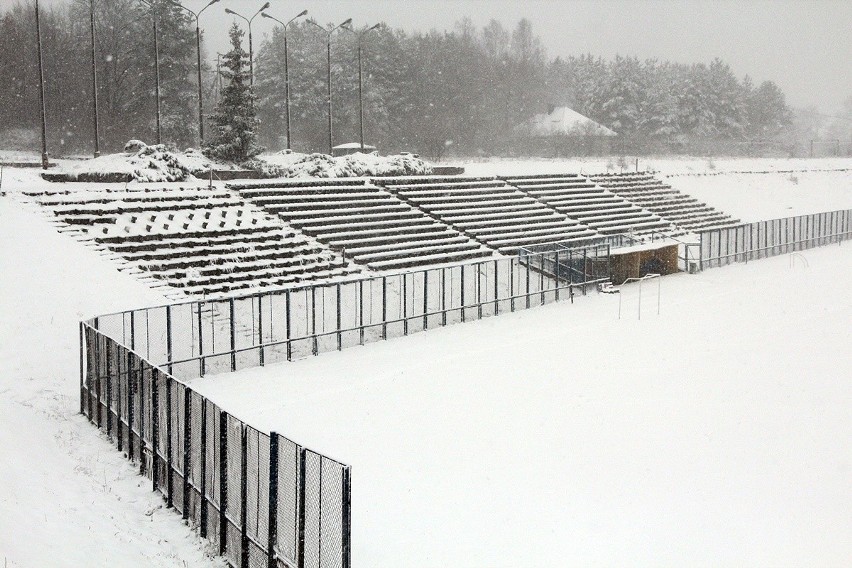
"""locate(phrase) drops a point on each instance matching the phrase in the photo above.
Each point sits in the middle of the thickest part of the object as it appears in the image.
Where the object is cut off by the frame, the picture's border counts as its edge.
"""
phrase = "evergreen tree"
(235, 122)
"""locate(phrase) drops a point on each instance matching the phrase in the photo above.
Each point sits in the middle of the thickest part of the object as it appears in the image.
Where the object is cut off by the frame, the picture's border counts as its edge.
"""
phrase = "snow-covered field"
(716, 434)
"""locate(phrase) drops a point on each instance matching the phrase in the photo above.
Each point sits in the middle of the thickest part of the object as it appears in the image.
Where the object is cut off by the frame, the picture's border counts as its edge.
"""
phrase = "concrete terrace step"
(425, 260)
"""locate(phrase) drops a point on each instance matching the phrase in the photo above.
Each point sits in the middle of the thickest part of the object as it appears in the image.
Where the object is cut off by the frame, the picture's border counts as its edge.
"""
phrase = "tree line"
(467, 91)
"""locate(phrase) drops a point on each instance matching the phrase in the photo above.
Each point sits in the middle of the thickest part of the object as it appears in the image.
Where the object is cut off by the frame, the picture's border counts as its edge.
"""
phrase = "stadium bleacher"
(364, 221)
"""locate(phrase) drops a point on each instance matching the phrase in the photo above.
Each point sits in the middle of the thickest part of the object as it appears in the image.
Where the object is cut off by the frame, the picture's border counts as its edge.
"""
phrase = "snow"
(296, 165)
(716, 433)
(67, 497)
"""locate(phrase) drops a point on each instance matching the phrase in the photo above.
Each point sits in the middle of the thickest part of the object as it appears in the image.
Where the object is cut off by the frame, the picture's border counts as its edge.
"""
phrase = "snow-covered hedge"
(293, 165)
(157, 163)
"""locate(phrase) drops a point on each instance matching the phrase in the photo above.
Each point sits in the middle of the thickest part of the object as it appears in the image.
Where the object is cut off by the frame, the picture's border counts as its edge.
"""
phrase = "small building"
(563, 132)
(351, 148)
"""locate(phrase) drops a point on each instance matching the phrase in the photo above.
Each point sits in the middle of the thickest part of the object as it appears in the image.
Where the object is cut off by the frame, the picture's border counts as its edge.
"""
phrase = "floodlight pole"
(94, 81)
(42, 110)
(198, 64)
(251, 51)
(286, 70)
(328, 81)
(153, 5)
(361, 83)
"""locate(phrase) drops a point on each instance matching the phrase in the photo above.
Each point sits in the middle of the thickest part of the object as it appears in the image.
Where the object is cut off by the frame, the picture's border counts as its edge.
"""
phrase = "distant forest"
(464, 92)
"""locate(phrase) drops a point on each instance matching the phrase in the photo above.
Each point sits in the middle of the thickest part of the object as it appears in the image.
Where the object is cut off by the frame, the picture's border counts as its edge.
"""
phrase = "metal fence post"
(361, 310)
(346, 506)
(169, 476)
(82, 371)
(425, 300)
(201, 341)
(272, 509)
(108, 377)
(384, 307)
(223, 481)
(187, 440)
(556, 271)
(169, 337)
(314, 346)
(202, 486)
(155, 429)
(300, 520)
(287, 324)
(130, 413)
(244, 542)
(260, 330)
(405, 304)
(142, 399)
(444, 296)
(528, 282)
(478, 290)
(339, 320)
(119, 429)
(496, 288)
(512, 285)
(233, 326)
(462, 294)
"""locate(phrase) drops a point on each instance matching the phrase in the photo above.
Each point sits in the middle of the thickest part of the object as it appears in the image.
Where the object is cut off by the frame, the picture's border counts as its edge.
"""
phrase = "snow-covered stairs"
(363, 221)
(588, 203)
(200, 240)
(646, 191)
(487, 209)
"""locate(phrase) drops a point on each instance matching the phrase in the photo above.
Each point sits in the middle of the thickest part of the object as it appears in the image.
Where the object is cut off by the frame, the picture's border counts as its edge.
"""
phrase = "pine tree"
(235, 121)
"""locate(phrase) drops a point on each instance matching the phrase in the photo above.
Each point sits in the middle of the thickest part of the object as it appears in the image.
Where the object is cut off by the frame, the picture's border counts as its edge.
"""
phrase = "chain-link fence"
(262, 499)
(762, 239)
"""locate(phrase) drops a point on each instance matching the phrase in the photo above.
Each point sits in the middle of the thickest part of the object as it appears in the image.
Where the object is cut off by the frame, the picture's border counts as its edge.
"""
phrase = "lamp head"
(265, 6)
(302, 13)
(346, 23)
(376, 26)
(229, 11)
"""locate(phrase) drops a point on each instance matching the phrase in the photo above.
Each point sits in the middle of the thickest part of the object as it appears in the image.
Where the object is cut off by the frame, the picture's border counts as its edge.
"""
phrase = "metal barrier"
(262, 499)
(192, 339)
(763, 239)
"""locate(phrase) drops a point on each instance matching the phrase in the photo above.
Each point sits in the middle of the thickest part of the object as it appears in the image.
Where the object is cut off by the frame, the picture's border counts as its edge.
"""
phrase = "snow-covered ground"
(717, 434)
(67, 497)
(714, 434)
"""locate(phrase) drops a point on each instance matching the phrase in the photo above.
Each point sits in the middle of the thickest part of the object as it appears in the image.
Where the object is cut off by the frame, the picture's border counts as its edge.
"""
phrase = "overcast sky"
(804, 46)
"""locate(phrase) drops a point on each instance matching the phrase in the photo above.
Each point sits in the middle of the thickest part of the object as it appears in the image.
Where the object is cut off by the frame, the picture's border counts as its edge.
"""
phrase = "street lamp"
(361, 82)
(153, 5)
(328, 52)
(94, 81)
(251, 53)
(44, 163)
(198, 63)
(286, 71)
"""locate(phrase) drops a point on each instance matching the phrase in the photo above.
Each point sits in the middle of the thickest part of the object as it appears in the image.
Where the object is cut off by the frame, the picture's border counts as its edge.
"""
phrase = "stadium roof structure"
(563, 120)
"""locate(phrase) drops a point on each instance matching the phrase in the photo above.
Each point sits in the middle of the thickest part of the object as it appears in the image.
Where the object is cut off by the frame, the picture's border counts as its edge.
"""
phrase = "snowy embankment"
(67, 498)
(714, 434)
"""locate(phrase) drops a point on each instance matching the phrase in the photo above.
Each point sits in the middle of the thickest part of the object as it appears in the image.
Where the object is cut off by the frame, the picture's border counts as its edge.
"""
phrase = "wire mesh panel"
(275, 326)
(302, 323)
(146, 416)
(432, 298)
(246, 333)
(313, 509)
(371, 295)
(350, 314)
(163, 454)
(122, 402)
(257, 495)
(326, 316)
(196, 455)
(212, 481)
(288, 499)
(392, 299)
(331, 530)
(177, 432)
(234, 507)
(216, 335)
(134, 380)
(183, 339)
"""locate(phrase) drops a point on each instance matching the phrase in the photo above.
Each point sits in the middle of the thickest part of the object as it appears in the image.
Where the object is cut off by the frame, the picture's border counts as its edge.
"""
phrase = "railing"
(192, 339)
(263, 500)
(749, 241)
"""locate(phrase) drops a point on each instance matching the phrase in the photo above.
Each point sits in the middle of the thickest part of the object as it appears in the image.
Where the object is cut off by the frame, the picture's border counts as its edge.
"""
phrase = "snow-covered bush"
(134, 146)
(294, 165)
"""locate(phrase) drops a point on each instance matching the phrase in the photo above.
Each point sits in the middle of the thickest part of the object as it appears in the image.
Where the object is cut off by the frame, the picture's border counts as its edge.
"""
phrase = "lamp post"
(198, 64)
(153, 5)
(361, 82)
(41, 107)
(251, 52)
(94, 81)
(286, 71)
(328, 52)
